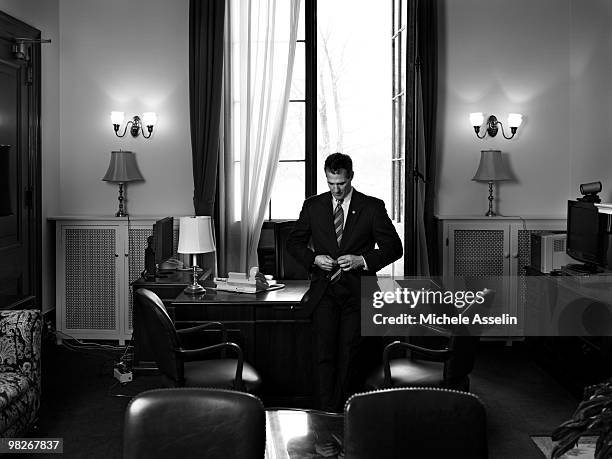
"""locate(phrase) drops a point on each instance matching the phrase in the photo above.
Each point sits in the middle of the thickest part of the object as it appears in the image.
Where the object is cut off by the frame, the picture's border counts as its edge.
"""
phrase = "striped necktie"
(339, 220)
(338, 224)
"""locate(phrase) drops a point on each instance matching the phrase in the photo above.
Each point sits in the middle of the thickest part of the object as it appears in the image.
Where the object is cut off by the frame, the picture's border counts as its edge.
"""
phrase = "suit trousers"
(338, 343)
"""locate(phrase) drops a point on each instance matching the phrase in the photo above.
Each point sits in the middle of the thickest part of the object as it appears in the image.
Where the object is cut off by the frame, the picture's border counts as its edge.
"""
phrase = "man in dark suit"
(340, 236)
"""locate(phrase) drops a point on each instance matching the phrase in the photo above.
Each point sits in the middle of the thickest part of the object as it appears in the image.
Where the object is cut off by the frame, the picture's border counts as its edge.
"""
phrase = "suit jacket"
(367, 224)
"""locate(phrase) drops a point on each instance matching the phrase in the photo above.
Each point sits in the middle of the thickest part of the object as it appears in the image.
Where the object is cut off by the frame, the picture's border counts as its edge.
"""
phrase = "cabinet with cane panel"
(493, 252)
(96, 260)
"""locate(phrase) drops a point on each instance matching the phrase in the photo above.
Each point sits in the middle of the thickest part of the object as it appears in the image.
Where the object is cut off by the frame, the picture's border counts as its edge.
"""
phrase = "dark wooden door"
(20, 215)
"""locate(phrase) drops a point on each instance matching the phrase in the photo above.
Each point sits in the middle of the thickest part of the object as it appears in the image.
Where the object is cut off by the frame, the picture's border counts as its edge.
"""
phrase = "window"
(398, 97)
(344, 98)
(290, 185)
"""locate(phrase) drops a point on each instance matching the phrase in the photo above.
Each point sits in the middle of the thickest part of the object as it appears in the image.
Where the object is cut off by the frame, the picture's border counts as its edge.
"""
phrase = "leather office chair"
(287, 267)
(188, 367)
(447, 366)
(414, 422)
(194, 423)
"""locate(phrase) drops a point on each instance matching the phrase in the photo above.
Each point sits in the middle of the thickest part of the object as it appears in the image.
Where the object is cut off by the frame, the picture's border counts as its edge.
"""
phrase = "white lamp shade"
(515, 119)
(117, 117)
(196, 235)
(149, 118)
(476, 119)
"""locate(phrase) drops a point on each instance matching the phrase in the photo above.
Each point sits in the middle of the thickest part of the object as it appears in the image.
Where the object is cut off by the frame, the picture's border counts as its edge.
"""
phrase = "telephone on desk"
(171, 264)
(254, 282)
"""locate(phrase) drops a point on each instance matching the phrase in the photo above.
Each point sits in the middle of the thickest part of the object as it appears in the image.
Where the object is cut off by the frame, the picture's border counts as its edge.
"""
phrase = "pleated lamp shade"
(491, 167)
(122, 168)
(196, 235)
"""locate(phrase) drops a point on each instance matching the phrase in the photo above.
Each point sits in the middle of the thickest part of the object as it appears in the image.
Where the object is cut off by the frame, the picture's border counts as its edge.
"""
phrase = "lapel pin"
(353, 212)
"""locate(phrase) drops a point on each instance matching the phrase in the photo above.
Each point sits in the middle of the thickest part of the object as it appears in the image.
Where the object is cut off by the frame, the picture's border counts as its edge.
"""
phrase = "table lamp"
(491, 169)
(195, 236)
(122, 169)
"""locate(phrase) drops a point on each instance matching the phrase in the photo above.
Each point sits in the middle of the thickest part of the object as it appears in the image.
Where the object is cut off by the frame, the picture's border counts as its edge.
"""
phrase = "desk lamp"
(195, 236)
(122, 169)
(491, 169)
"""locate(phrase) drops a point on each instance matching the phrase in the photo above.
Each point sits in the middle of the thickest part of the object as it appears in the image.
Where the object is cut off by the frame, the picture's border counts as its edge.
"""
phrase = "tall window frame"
(307, 39)
(398, 99)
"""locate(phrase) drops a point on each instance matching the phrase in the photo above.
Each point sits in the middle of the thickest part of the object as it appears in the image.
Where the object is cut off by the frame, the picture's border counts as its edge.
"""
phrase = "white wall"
(548, 60)
(591, 95)
(500, 57)
(44, 16)
(133, 57)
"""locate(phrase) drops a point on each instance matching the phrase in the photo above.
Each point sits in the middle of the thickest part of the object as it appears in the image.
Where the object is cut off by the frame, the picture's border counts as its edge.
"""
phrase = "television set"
(588, 236)
(163, 239)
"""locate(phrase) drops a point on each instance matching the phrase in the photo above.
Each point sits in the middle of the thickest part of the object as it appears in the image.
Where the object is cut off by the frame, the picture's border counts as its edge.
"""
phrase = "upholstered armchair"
(20, 370)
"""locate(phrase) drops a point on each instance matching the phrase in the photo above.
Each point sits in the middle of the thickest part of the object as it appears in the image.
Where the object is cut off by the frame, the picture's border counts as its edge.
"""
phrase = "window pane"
(293, 139)
(299, 71)
(396, 121)
(401, 70)
(288, 191)
(301, 35)
(402, 189)
(401, 134)
(396, 65)
(354, 85)
(396, 15)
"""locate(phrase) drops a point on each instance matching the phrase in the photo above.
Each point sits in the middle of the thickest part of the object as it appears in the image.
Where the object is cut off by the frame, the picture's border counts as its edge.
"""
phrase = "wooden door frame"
(11, 28)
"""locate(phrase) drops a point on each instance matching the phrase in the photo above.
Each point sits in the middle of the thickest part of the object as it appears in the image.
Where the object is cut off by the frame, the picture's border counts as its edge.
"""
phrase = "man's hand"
(325, 262)
(349, 262)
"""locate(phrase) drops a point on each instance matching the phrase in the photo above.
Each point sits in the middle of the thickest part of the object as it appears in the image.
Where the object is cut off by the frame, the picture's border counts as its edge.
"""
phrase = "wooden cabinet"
(96, 259)
(284, 355)
(493, 252)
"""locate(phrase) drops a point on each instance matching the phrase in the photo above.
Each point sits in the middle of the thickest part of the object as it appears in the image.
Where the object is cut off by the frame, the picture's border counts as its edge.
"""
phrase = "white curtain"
(259, 55)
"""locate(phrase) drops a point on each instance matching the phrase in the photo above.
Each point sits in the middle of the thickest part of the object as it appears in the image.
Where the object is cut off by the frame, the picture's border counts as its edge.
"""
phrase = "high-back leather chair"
(191, 367)
(414, 422)
(194, 423)
(288, 268)
(446, 366)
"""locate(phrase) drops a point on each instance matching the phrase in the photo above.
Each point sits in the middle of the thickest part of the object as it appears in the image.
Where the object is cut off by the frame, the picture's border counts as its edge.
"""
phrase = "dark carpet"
(82, 403)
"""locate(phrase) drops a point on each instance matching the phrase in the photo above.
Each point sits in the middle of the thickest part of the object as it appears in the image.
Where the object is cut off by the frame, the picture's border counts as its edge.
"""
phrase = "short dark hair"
(337, 161)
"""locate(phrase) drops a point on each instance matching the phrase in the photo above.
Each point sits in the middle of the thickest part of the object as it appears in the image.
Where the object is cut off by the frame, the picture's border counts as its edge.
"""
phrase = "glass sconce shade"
(515, 120)
(476, 119)
(117, 117)
(149, 118)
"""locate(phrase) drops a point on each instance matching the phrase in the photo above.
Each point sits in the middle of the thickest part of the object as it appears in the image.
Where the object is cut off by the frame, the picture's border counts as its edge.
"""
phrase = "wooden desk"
(271, 328)
(571, 336)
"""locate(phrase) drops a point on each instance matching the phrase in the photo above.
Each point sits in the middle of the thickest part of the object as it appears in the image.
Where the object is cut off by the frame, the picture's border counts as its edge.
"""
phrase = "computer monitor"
(163, 239)
(588, 238)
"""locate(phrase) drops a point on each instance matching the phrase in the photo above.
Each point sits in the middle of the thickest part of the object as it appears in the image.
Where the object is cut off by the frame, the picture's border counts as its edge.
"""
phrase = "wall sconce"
(149, 119)
(514, 121)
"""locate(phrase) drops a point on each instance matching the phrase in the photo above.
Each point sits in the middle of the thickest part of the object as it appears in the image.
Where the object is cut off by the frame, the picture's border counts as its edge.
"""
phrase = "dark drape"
(206, 25)
(427, 46)
(421, 77)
